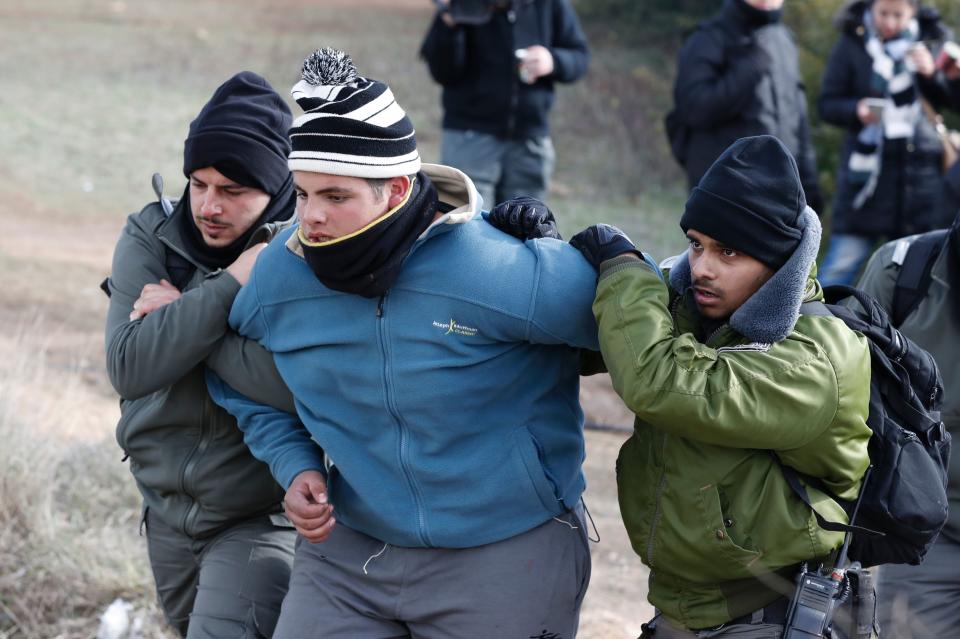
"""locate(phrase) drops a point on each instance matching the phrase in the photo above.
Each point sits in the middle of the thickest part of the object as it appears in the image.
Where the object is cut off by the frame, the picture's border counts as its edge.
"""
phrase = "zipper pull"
(380, 305)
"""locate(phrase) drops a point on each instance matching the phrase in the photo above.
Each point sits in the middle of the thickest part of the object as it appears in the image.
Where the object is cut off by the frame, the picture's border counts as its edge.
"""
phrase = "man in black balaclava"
(218, 541)
(737, 76)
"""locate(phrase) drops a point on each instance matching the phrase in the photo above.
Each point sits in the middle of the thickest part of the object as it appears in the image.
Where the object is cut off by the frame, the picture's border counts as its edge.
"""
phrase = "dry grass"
(97, 95)
(68, 510)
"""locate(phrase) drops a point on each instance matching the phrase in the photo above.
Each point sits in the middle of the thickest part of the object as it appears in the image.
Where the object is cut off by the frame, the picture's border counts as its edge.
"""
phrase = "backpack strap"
(793, 480)
(913, 279)
(793, 477)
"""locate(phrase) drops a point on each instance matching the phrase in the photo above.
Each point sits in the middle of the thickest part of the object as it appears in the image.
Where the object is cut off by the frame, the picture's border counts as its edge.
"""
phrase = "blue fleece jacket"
(449, 409)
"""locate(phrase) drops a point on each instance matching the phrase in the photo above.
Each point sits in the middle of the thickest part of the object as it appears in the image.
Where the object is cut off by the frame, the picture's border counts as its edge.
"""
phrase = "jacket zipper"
(657, 515)
(395, 414)
(189, 468)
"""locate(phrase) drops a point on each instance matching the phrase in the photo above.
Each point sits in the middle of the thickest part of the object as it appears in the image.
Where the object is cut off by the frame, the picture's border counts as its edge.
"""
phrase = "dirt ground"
(96, 96)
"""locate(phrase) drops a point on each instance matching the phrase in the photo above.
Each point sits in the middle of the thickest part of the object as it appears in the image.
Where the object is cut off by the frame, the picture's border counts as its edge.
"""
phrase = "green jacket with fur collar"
(702, 496)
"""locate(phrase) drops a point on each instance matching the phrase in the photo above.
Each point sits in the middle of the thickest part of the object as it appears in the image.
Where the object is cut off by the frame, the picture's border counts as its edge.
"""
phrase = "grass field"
(96, 96)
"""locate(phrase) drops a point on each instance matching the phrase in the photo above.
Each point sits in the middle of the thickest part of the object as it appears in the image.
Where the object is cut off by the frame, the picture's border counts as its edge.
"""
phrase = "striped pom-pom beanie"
(351, 125)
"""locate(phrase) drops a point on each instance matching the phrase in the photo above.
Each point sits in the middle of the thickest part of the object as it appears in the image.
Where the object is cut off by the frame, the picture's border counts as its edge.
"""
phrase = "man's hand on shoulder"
(243, 265)
(307, 508)
(525, 218)
(152, 297)
(603, 242)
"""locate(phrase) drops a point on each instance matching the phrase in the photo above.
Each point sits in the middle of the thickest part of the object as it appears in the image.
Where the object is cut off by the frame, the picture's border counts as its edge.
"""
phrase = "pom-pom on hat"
(351, 125)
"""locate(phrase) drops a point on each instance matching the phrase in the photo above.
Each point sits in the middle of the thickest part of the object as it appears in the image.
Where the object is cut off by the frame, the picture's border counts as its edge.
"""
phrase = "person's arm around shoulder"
(747, 397)
(249, 367)
(246, 365)
(155, 334)
(563, 289)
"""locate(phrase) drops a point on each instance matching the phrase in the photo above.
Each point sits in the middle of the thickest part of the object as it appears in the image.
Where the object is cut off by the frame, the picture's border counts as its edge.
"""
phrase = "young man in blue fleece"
(435, 366)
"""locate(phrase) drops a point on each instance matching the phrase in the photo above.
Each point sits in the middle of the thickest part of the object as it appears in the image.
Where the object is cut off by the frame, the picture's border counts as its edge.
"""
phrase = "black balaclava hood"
(242, 133)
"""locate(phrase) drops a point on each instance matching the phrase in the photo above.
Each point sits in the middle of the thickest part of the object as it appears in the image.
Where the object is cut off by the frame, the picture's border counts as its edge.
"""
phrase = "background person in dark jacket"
(738, 76)
(219, 544)
(889, 178)
(495, 106)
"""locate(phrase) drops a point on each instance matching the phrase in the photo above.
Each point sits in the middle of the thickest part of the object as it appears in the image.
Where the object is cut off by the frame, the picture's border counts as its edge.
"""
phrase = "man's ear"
(397, 189)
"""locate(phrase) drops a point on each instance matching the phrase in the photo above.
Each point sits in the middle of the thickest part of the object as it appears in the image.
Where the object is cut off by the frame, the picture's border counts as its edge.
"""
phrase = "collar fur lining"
(770, 314)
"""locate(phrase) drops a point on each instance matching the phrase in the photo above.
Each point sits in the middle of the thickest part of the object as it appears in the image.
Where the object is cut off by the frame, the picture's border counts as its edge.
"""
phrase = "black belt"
(774, 613)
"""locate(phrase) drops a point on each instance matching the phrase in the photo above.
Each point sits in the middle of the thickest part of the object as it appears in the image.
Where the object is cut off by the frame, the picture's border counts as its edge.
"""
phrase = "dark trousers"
(922, 602)
(228, 585)
(353, 586)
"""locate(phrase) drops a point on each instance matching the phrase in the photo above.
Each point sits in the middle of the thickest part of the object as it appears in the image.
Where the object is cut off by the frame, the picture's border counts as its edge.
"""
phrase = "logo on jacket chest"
(452, 326)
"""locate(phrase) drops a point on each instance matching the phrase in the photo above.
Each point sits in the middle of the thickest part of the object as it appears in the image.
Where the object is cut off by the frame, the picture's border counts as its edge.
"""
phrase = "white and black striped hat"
(351, 125)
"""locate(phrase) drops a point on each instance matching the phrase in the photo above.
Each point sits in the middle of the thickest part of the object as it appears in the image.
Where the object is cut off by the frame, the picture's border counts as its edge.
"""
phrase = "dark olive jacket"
(186, 453)
(934, 326)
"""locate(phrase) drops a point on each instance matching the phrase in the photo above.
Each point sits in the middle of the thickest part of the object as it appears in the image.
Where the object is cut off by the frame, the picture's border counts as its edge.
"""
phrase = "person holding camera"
(883, 76)
(738, 75)
(727, 383)
(498, 61)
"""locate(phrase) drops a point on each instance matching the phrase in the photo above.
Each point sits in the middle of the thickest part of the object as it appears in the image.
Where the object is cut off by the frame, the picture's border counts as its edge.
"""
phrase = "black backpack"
(904, 503)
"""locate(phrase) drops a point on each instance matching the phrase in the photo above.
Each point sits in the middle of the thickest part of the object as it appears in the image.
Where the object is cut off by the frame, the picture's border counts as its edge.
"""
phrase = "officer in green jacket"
(727, 381)
(923, 602)
(218, 541)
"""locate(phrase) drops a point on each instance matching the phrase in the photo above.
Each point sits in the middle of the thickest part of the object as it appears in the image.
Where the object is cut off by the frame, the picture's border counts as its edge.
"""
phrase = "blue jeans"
(500, 168)
(845, 258)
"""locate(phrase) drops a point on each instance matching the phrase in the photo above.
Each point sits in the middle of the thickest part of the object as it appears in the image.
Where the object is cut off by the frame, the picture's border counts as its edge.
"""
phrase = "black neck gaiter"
(368, 264)
(756, 18)
(281, 207)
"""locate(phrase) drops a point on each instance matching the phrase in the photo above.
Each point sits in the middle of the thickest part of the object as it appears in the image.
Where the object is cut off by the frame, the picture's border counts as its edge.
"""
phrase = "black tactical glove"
(602, 242)
(524, 217)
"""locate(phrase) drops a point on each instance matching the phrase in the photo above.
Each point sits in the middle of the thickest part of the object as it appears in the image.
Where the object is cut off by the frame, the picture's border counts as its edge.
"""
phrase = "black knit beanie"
(750, 200)
(242, 133)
